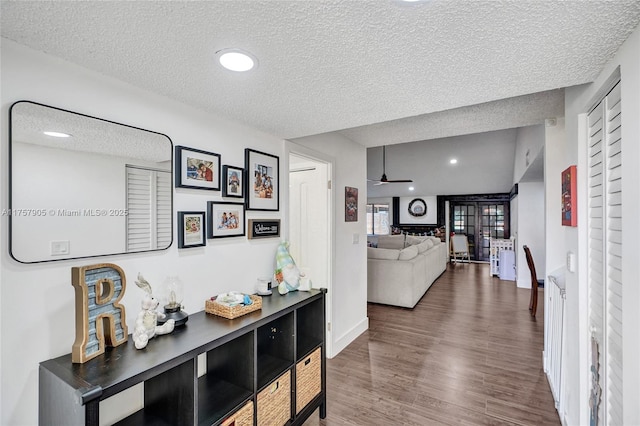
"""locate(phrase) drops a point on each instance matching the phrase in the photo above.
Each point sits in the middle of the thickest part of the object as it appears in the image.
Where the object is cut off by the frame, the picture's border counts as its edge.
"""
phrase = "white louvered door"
(605, 250)
(149, 209)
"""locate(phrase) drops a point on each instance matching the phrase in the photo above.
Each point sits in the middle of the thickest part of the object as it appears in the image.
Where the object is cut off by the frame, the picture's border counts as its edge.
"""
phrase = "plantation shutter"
(605, 250)
(164, 209)
(149, 209)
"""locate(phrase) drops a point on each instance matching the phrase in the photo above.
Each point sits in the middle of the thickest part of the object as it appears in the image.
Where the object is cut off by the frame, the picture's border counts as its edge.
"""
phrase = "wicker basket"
(308, 379)
(242, 417)
(231, 312)
(274, 402)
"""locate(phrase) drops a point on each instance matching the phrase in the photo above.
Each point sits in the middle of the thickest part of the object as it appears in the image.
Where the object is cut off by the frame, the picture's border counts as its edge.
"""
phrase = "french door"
(480, 221)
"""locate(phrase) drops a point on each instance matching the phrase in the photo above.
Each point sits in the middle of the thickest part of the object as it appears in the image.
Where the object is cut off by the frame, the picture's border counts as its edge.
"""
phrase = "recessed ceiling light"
(237, 60)
(411, 188)
(453, 161)
(57, 134)
(411, 1)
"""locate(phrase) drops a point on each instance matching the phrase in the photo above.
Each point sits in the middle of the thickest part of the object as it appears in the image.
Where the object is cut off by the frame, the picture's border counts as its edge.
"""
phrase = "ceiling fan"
(383, 180)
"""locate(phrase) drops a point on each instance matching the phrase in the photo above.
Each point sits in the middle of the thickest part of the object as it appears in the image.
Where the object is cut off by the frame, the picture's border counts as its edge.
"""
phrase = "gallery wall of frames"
(255, 186)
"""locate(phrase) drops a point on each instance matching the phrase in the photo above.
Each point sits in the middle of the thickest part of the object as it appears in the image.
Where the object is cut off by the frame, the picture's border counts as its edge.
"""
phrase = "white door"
(308, 218)
(310, 224)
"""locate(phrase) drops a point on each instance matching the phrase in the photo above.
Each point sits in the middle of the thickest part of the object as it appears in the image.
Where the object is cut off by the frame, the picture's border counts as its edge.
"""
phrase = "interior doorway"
(310, 221)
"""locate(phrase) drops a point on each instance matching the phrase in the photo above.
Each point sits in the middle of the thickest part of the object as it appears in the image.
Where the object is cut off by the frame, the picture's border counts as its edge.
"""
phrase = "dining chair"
(533, 300)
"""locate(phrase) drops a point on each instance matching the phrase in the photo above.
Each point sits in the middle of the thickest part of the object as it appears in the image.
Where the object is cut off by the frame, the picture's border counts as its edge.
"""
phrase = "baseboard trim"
(348, 337)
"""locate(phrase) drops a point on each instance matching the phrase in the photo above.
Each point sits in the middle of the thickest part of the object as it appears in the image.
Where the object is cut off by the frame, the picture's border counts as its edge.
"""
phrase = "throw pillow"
(424, 246)
(381, 253)
(391, 242)
(408, 253)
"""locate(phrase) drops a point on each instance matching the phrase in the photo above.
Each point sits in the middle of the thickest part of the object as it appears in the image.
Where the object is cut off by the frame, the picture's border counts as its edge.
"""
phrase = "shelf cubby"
(228, 382)
(309, 328)
(275, 349)
(164, 396)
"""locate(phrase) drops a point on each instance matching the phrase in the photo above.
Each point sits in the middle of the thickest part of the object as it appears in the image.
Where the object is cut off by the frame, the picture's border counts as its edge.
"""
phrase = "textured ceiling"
(330, 65)
(514, 112)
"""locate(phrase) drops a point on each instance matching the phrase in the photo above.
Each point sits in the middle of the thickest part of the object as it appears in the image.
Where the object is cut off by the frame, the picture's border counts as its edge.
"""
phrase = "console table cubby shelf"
(245, 357)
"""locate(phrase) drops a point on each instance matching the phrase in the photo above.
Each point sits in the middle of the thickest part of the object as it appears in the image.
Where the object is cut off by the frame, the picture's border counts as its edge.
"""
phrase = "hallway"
(469, 353)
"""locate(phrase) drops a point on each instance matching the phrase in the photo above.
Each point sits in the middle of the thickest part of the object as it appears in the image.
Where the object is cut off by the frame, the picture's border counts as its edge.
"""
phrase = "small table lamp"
(172, 296)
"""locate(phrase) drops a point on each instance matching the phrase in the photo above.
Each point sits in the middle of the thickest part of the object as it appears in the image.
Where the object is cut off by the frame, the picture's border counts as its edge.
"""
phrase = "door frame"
(302, 151)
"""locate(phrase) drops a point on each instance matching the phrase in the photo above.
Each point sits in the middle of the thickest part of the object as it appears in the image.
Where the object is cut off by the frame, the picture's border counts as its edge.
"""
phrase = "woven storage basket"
(308, 379)
(231, 312)
(242, 417)
(274, 402)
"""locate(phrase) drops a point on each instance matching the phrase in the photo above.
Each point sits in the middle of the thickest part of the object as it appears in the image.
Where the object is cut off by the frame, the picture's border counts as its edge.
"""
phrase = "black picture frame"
(263, 228)
(232, 181)
(266, 195)
(191, 229)
(188, 169)
(220, 224)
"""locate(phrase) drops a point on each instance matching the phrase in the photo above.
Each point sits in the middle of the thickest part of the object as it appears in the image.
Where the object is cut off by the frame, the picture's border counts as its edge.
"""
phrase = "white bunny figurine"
(146, 322)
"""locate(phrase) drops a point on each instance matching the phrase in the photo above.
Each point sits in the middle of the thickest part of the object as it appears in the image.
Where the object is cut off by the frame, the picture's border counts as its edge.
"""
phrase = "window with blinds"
(149, 209)
(605, 250)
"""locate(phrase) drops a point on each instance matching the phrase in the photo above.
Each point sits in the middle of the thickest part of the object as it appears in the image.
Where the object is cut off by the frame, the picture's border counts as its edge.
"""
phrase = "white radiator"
(554, 325)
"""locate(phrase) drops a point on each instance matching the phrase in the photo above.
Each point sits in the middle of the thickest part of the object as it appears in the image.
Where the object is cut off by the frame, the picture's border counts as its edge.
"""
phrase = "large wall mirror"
(82, 186)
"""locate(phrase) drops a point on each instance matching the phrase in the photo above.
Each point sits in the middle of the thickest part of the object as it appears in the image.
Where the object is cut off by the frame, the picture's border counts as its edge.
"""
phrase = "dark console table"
(244, 356)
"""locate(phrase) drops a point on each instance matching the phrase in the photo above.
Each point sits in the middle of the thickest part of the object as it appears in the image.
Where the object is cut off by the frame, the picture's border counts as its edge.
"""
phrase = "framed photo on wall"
(191, 229)
(197, 169)
(262, 185)
(233, 181)
(350, 204)
(225, 219)
(569, 190)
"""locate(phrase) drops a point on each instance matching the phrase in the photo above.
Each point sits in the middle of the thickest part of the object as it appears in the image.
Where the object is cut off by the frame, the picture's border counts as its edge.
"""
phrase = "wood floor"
(468, 354)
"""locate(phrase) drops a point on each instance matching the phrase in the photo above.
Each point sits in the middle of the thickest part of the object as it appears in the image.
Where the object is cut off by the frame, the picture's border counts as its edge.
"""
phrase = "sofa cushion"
(412, 240)
(391, 242)
(435, 240)
(424, 246)
(408, 253)
(382, 253)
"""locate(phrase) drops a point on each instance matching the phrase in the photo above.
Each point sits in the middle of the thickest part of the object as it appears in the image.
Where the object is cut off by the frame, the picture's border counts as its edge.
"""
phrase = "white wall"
(528, 140)
(37, 301)
(530, 211)
(349, 298)
(577, 101)
(555, 145)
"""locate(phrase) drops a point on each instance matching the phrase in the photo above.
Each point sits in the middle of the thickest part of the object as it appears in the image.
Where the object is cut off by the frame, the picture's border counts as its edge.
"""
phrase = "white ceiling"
(328, 65)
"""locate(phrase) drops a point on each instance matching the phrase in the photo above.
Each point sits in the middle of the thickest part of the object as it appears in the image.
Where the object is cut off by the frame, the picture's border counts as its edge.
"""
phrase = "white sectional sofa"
(400, 270)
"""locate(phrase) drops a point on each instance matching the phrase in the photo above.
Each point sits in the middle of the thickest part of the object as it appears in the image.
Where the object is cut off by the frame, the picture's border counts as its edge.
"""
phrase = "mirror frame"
(10, 184)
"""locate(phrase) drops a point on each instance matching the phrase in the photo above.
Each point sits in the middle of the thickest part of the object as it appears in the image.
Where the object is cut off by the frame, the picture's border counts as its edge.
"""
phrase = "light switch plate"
(356, 238)
(571, 261)
(59, 247)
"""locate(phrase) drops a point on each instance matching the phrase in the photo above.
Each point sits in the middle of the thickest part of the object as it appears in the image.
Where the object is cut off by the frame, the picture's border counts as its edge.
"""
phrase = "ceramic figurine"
(287, 273)
(147, 321)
